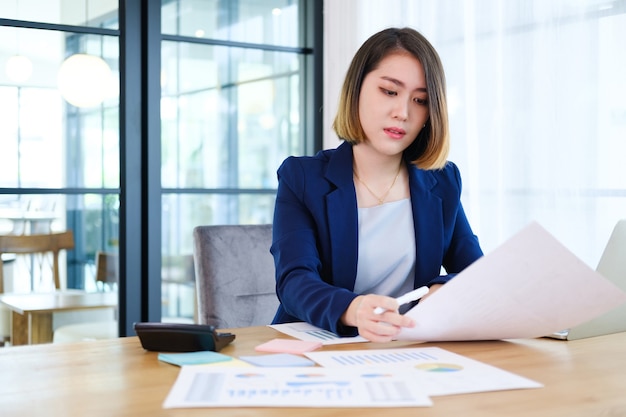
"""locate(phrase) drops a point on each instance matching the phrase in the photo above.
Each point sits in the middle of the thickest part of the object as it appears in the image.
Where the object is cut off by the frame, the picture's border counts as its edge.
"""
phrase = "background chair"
(44, 250)
(234, 275)
(41, 245)
(107, 271)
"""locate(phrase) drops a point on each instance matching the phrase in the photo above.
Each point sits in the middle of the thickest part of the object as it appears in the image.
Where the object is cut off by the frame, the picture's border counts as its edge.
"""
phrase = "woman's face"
(393, 103)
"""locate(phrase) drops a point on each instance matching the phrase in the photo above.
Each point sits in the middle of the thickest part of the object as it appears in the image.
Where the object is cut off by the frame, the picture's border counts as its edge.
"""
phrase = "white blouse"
(386, 262)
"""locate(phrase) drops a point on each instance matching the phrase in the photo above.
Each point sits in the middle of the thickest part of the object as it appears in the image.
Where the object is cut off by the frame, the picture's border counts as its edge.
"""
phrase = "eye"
(388, 92)
(422, 101)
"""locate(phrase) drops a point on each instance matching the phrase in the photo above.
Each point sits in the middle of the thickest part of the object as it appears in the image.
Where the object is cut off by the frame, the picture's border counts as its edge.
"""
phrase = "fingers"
(372, 301)
(382, 327)
(374, 337)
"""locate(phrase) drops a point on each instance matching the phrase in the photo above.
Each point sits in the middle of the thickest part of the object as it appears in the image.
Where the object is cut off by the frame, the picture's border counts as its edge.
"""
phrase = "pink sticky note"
(288, 346)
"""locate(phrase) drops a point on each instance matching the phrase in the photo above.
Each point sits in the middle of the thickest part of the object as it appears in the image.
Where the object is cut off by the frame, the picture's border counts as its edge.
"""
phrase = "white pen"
(407, 298)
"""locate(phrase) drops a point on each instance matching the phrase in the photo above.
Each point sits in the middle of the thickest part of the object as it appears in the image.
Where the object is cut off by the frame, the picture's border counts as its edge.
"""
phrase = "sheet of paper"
(202, 386)
(440, 371)
(531, 286)
(308, 332)
(278, 359)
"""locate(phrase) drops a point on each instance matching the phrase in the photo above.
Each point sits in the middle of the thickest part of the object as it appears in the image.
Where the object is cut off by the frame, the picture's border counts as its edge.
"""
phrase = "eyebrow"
(401, 84)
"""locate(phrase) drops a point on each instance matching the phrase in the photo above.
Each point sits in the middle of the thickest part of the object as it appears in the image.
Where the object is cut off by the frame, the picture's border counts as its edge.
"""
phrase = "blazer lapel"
(342, 217)
(428, 218)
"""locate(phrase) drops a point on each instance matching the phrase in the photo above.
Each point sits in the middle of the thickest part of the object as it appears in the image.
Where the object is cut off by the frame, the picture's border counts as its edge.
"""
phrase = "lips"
(395, 132)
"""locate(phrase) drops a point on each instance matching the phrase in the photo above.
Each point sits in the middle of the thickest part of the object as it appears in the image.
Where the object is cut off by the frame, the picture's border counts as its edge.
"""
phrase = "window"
(234, 98)
(60, 154)
(237, 95)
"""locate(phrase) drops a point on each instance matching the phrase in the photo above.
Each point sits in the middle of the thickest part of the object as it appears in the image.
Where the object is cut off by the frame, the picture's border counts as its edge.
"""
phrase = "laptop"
(612, 265)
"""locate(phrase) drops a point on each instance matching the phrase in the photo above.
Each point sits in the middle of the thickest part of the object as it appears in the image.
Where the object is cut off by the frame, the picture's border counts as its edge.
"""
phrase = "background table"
(29, 221)
(118, 378)
(31, 313)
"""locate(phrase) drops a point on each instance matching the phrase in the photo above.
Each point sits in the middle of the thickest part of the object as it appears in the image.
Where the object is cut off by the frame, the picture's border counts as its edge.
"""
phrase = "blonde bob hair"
(430, 148)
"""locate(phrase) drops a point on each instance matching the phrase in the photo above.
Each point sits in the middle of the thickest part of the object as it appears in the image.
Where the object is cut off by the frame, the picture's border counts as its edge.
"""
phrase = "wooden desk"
(31, 313)
(118, 378)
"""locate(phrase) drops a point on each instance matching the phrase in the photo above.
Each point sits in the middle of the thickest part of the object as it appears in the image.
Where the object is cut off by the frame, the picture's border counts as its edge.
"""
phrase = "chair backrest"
(235, 278)
(107, 270)
(52, 243)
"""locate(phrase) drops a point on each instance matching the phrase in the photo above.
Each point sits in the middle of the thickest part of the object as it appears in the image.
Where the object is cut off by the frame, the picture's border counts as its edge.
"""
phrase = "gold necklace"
(380, 200)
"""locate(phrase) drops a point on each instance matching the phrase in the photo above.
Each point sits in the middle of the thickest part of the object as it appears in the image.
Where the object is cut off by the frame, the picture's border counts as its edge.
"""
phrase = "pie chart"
(438, 367)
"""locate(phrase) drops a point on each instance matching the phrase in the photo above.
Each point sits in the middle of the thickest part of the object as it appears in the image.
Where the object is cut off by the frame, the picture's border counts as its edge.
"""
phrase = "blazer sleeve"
(299, 215)
(462, 247)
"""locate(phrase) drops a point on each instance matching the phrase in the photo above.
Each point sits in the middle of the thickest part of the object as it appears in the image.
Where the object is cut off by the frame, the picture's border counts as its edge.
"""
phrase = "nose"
(400, 110)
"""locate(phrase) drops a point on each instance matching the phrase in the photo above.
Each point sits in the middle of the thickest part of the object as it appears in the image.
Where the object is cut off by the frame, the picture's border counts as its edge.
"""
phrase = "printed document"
(202, 386)
(439, 371)
(305, 331)
(531, 286)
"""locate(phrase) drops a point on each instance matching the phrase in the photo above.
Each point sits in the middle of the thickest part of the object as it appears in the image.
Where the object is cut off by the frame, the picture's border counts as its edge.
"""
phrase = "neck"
(375, 167)
(377, 178)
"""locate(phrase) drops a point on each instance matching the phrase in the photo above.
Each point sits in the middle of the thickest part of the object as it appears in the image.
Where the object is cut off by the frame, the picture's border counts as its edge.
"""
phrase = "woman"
(356, 226)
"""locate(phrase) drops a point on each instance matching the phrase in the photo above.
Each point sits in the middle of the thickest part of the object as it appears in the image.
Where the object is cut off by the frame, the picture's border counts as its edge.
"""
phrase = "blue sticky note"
(278, 359)
(193, 358)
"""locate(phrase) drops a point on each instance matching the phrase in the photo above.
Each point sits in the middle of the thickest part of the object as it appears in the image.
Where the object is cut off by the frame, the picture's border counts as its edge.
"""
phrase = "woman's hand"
(376, 327)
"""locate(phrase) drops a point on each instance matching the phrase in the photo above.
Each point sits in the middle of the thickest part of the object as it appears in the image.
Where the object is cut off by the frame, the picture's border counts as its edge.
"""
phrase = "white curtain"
(537, 100)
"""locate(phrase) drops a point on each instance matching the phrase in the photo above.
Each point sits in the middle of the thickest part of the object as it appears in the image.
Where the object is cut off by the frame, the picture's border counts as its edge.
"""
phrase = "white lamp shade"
(84, 80)
(19, 68)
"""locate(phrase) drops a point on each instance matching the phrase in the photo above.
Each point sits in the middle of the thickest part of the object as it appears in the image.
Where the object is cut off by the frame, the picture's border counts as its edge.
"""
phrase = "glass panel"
(98, 152)
(183, 212)
(178, 288)
(94, 13)
(40, 138)
(238, 111)
(59, 95)
(77, 144)
(273, 22)
(93, 219)
(9, 133)
(229, 117)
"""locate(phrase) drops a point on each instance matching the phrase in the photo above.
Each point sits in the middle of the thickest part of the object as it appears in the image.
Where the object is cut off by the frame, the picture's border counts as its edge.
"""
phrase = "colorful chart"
(250, 375)
(438, 367)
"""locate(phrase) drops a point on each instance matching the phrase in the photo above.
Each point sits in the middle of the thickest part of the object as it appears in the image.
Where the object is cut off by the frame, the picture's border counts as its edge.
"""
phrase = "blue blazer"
(315, 234)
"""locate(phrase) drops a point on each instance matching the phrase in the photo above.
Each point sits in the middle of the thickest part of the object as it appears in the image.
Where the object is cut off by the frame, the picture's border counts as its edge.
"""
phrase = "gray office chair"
(235, 279)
